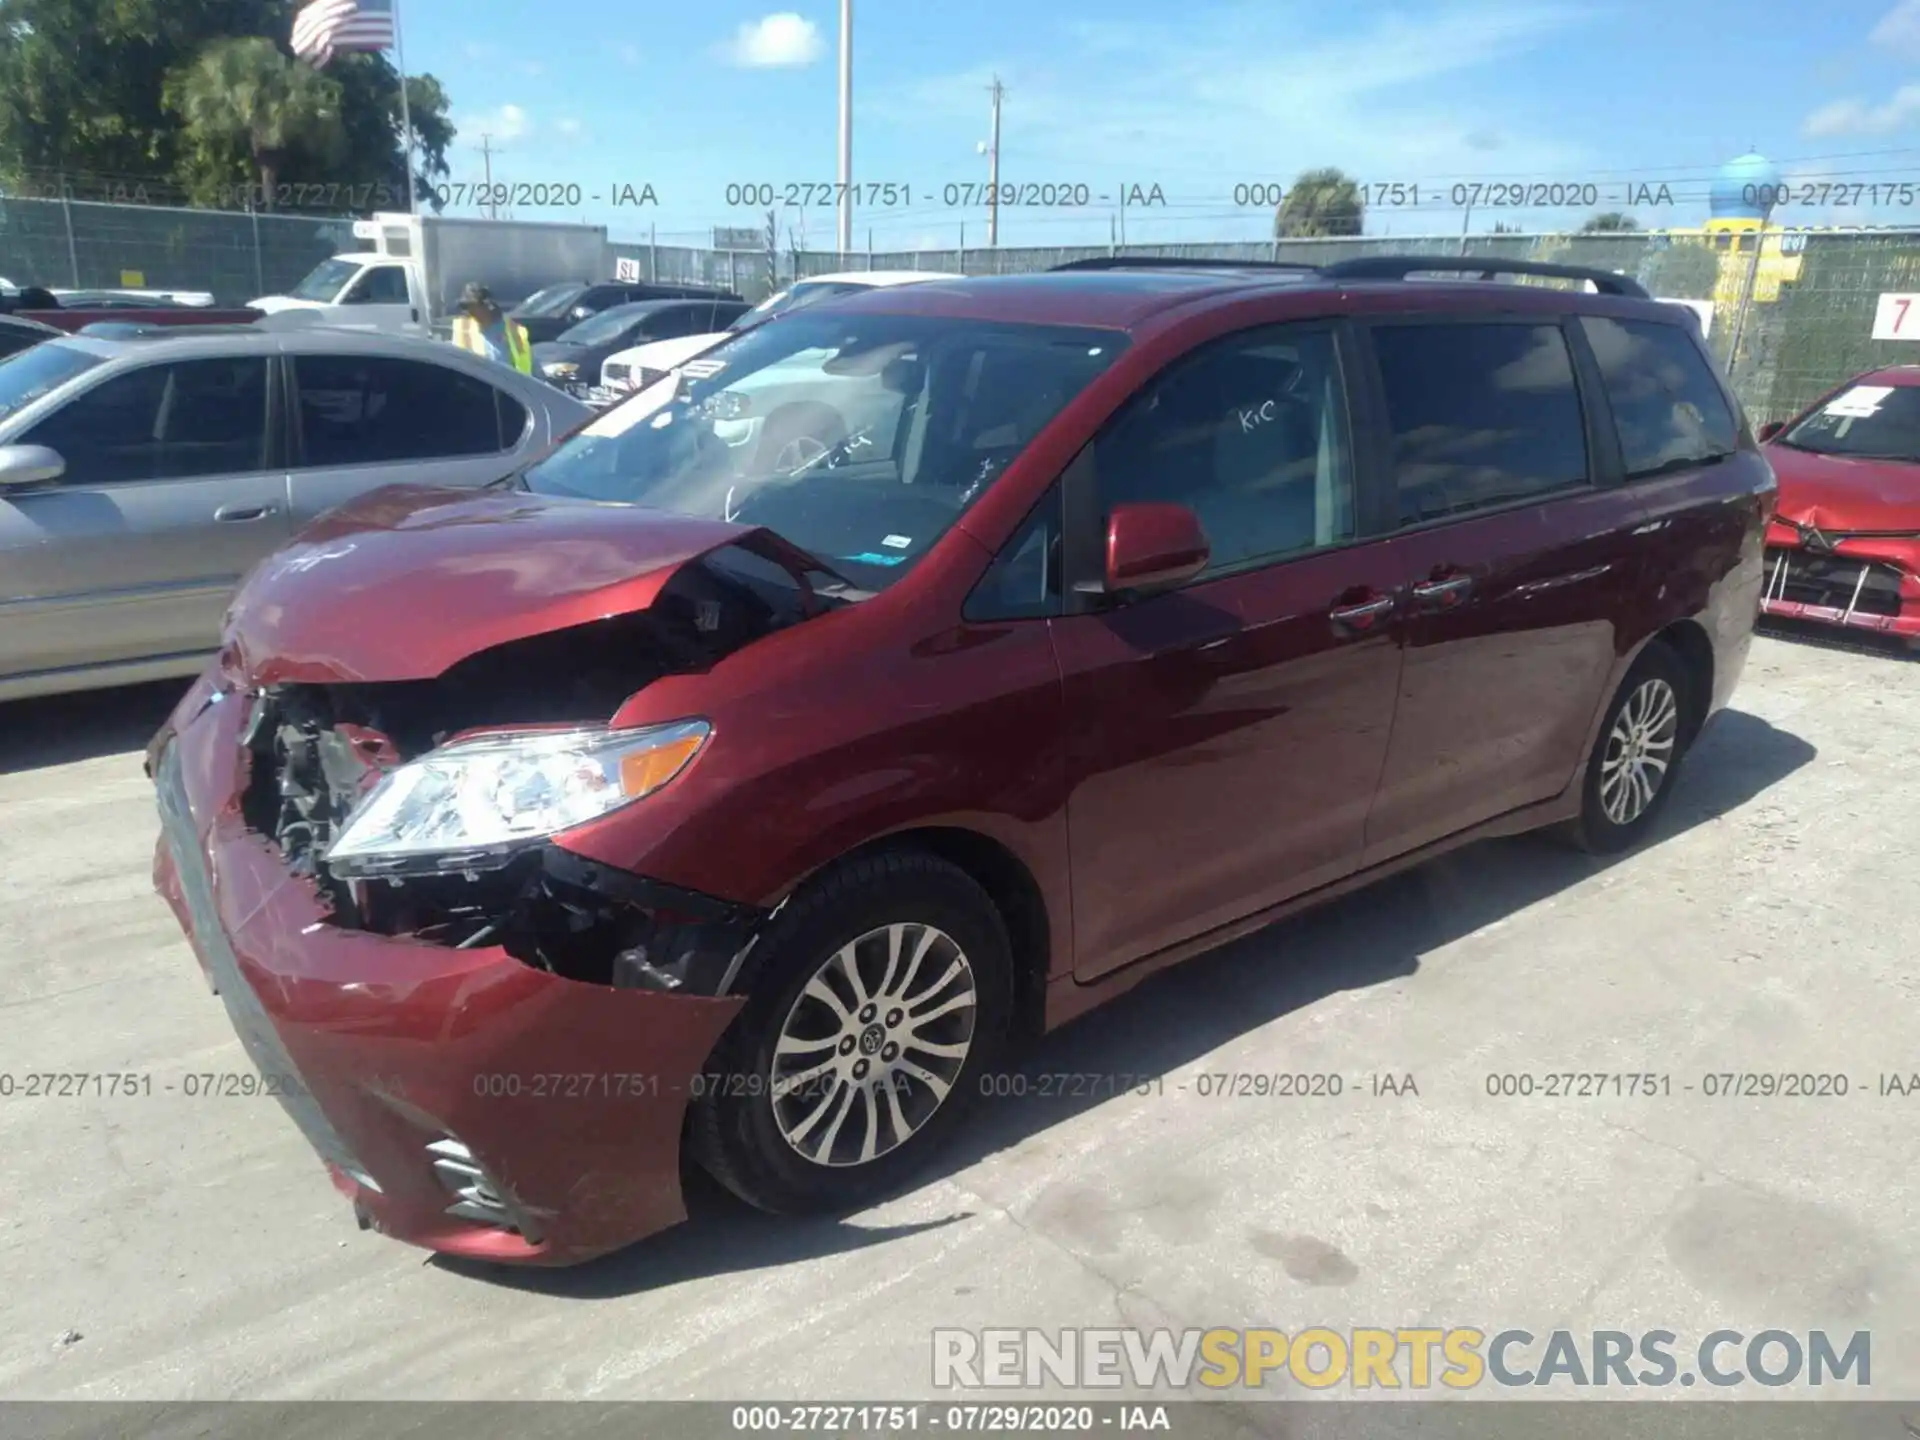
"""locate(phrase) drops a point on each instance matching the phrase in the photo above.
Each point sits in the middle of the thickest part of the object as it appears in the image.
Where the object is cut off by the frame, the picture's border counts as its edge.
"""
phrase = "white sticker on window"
(1859, 402)
(898, 542)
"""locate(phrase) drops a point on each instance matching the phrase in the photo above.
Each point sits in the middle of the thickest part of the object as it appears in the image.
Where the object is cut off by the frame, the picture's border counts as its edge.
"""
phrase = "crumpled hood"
(1833, 493)
(408, 580)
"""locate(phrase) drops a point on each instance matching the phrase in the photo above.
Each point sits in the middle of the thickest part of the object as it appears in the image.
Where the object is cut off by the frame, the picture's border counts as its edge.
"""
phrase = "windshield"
(607, 325)
(554, 300)
(25, 377)
(1880, 422)
(859, 438)
(326, 280)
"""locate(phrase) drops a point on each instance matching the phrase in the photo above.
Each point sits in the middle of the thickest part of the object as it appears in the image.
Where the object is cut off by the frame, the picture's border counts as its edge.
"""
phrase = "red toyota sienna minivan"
(744, 779)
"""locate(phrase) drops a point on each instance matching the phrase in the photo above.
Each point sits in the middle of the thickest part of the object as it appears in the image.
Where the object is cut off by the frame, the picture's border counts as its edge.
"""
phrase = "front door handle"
(1362, 616)
(1441, 593)
(239, 514)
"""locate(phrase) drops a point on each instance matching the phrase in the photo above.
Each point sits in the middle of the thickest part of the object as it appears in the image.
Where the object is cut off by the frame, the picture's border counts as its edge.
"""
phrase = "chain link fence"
(87, 245)
(1792, 310)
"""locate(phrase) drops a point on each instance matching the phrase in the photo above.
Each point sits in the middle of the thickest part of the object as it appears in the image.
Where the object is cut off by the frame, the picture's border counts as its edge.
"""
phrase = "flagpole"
(406, 116)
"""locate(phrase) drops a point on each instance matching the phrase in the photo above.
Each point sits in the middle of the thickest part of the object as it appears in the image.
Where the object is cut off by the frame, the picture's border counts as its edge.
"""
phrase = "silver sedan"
(143, 473)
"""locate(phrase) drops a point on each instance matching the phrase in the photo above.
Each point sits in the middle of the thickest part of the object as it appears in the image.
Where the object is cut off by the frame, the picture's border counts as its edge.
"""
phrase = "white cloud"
(1857, 117)
(569, 128)
(777, 41)
(508, 122)
(1899, 29)
(533, 67)
(629, 54)
(1288, 92)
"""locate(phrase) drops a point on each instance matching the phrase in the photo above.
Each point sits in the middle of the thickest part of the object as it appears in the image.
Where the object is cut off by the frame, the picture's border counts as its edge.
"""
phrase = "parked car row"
(650, 362)
(576, 359)
(142, 476)
(1113, 613)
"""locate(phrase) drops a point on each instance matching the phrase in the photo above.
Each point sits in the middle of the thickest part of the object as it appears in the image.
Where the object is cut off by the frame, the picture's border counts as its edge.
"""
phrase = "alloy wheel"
(873, 1044)
(798, 453)
(1639, 751)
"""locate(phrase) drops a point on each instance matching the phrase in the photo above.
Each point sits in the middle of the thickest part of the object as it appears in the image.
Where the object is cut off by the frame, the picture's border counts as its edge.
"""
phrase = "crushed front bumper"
(464, 1101)
(1858, 592)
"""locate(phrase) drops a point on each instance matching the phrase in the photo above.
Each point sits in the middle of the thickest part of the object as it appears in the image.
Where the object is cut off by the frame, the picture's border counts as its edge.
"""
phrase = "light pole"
(846, 128)
(993, 170)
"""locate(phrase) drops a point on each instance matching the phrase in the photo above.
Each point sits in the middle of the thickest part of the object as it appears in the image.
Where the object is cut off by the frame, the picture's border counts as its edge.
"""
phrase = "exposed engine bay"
(316, 751)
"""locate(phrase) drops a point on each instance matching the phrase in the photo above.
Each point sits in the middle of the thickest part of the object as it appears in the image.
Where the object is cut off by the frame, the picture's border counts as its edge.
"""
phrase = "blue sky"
(1195, 99)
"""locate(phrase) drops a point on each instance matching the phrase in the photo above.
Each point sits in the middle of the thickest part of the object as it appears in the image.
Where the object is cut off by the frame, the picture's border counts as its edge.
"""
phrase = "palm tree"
(248, 94)
(1321, 202)
(1611, 223)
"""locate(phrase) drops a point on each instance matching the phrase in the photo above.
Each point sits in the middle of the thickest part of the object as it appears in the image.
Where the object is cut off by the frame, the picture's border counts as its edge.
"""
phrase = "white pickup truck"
(409, 278)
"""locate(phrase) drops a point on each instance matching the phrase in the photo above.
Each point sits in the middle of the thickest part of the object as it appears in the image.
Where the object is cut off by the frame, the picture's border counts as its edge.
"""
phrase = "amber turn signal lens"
(646, 771)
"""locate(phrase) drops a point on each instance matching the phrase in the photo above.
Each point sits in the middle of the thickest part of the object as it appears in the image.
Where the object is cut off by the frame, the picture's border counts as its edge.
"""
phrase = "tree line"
(1327, 202)
(206, 97)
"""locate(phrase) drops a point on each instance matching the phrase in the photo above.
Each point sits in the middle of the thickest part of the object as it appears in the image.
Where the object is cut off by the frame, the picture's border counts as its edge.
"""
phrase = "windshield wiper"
(1679, 462)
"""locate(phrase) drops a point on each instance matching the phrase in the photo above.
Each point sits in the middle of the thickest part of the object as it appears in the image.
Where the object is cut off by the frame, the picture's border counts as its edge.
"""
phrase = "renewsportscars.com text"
(1460, 1358)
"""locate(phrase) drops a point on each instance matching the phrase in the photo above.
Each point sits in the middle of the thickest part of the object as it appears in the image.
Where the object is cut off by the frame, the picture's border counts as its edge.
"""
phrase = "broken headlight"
(472, 804)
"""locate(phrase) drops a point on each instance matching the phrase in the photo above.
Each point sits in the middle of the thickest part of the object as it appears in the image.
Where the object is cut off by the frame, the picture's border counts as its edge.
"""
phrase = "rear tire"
(1637, 755)
(882, 995)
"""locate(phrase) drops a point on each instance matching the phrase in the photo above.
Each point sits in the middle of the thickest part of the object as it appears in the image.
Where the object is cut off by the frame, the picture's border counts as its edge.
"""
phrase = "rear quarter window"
(1668, 406)
(1482, 415)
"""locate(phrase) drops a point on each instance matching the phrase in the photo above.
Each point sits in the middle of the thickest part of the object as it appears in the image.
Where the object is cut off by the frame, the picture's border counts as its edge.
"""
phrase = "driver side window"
(1251, 434)
(380, 285)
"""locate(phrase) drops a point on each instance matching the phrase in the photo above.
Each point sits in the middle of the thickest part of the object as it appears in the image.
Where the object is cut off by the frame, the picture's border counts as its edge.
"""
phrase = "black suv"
(547, 313)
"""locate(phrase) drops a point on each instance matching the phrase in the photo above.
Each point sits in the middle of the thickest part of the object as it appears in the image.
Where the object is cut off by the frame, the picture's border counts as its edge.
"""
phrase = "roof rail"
(1398, 267)
(1176, 262)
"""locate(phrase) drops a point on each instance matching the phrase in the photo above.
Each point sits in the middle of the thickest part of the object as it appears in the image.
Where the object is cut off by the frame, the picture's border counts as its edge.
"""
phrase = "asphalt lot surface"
(159, 1247)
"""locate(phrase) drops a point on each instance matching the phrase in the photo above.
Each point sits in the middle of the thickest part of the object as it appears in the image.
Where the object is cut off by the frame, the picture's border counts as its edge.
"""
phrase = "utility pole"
(486, 154)
(993, 168)
(846, 128)
(773, 251)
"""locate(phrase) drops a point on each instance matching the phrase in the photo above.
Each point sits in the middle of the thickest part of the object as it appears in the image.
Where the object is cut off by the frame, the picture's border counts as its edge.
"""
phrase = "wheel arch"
(1015, 893)
(1687, 639)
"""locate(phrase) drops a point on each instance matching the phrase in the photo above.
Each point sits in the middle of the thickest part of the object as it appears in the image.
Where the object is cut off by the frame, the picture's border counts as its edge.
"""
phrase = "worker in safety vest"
(482, 329)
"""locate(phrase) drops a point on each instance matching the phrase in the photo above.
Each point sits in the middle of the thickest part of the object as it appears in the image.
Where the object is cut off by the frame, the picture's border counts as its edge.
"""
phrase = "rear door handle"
(1359, 618)
(1439, 594)
(238, 514)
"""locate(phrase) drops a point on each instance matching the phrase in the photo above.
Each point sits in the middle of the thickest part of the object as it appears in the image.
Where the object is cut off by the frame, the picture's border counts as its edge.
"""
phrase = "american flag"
(324, 28)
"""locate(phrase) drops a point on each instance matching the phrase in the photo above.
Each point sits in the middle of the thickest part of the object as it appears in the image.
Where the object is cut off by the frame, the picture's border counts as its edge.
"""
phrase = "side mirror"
(1771, 429)
(22, 465)
(1154, 547)
(581, 312)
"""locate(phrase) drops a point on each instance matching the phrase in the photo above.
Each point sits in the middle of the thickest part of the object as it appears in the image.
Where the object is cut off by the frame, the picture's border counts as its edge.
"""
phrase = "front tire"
(883, 994)
(1642, 742)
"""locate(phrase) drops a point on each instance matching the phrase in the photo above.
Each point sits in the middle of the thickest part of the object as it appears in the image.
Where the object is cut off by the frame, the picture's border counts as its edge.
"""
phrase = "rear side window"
(359, 410)
(1667, 406)
(13, 341)
(1481, 415)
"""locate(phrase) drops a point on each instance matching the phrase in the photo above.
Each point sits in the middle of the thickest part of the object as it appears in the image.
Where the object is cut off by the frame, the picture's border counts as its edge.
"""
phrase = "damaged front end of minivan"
(490, 1039)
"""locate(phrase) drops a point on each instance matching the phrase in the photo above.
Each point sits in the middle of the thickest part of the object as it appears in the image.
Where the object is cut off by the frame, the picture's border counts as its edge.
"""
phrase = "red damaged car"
(1844, 548)
(702, 792)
